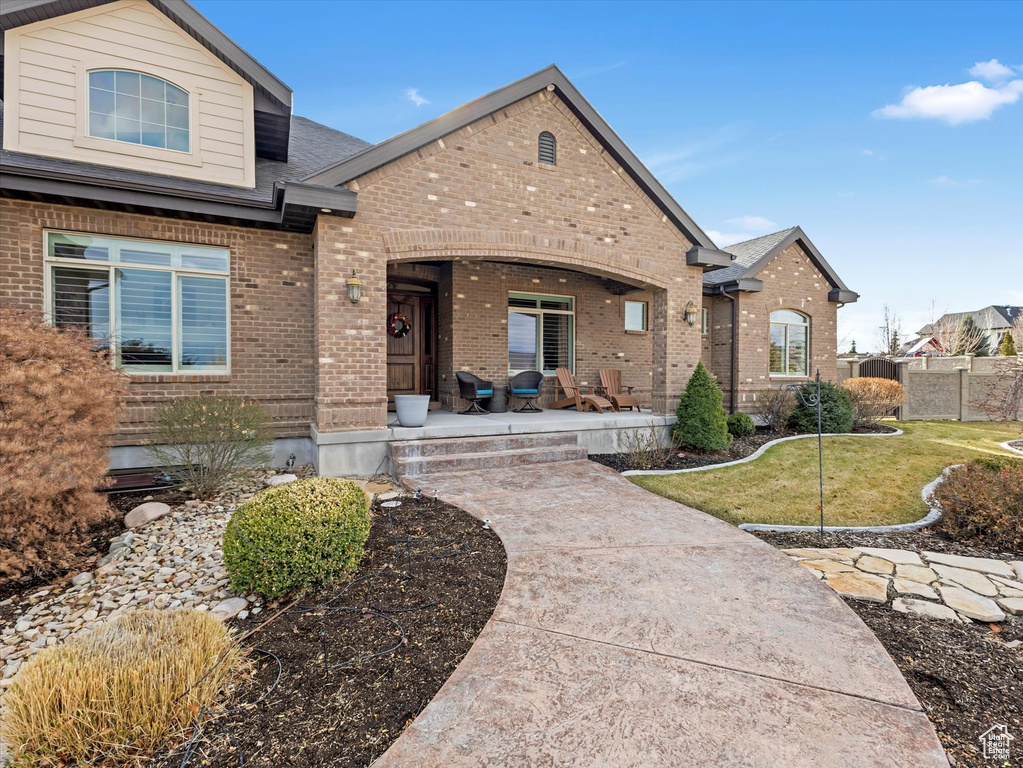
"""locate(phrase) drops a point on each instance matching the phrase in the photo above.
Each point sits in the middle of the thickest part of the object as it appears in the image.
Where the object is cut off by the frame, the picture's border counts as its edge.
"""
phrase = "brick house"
(157, 189)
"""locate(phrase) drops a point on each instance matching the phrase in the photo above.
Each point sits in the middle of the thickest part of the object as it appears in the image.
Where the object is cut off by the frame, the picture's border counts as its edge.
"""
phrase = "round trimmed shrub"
(741, 425)
(296, 535)
(836, 409)
(701, 423)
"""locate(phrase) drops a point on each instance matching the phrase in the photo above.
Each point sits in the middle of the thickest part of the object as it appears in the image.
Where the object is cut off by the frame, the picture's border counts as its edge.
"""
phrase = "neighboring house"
(994, 320)
(158, 191)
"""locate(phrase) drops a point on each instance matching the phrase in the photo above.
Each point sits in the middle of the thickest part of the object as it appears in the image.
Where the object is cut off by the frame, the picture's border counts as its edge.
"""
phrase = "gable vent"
(548, 152)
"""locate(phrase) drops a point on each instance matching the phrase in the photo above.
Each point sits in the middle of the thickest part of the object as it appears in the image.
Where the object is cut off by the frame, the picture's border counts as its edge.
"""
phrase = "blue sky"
(863, 123)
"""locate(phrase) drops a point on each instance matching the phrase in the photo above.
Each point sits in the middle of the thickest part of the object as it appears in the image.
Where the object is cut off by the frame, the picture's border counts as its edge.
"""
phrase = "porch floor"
(447, 424)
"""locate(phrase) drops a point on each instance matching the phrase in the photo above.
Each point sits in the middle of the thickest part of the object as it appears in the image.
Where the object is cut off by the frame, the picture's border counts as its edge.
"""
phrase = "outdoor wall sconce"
(354, 288)
(690, 313)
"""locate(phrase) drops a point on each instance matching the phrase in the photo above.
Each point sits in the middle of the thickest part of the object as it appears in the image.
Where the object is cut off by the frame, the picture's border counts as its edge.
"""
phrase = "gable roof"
(411, 140)
(751, 256)
(990, 318)
(272, 97)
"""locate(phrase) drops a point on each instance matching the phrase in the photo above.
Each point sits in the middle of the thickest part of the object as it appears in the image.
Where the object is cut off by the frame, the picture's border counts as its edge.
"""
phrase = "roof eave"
(747, 284)
(840, 296)
(709, 259)
(429, 132)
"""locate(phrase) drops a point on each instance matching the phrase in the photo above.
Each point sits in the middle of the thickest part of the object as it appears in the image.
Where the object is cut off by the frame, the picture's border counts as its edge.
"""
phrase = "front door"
(410, 357)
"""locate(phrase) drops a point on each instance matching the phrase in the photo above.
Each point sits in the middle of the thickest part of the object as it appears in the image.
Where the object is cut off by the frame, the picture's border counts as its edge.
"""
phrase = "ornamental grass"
(118, 691)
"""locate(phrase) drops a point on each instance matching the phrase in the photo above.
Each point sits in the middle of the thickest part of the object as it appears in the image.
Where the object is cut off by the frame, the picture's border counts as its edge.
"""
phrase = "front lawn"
(867, 480)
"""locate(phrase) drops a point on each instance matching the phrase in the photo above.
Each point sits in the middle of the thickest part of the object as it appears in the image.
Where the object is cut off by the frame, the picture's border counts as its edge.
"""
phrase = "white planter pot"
(412, 409)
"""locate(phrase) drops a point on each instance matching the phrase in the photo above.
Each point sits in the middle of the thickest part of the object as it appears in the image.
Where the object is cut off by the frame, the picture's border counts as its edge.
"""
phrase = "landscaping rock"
(145, 513)
(828, 566)
(834, 553)
(907, 587)
(82, 578)
(228, 609)
(897, 556)
(919, 573)
(971, 604)
(925, 609)
(1013, 605)
(872, 564)
(861, 586)
(280, 480)
(982, 564)
(1017, 566)
(972, 580)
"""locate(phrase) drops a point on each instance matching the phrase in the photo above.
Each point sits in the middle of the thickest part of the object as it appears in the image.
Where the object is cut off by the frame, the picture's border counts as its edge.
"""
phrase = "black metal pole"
(820, 454)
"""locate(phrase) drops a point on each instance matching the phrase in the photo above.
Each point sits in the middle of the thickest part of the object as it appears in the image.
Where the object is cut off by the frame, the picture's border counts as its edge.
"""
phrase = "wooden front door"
(410, 359)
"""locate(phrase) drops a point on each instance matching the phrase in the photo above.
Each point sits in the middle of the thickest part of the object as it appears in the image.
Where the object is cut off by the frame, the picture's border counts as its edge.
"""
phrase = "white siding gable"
(46, 87)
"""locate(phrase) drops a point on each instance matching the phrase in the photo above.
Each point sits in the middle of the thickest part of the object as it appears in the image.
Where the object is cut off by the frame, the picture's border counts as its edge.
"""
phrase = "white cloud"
(955, 104)
(945, 181)
(867, 152)
(724, 239)
(993, 71)
(752, 223)
(412, 94)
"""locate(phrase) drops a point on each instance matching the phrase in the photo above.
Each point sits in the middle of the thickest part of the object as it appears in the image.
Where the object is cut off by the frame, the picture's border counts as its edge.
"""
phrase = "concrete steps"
(419, 458)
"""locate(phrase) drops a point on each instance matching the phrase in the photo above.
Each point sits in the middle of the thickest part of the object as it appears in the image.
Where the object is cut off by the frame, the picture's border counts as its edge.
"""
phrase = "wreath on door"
(398, 325)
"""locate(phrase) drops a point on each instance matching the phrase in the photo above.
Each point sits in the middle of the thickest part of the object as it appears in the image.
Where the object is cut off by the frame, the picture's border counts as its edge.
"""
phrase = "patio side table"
(499, 401)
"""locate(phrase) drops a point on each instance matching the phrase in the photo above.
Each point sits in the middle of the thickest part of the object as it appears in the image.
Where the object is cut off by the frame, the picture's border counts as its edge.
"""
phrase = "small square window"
(635, 315)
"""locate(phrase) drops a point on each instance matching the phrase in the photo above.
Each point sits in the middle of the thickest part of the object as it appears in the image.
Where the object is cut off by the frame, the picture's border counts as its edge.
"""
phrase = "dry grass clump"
(120, 690)
(873, 399)
(58, 400)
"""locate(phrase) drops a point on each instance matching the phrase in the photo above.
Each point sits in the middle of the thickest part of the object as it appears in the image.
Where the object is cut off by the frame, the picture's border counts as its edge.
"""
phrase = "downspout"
(733, 368)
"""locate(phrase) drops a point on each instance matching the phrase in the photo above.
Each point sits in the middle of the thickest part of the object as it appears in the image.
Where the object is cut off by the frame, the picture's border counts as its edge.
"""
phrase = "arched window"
(548, 149)
(138, 109)
(790, 343)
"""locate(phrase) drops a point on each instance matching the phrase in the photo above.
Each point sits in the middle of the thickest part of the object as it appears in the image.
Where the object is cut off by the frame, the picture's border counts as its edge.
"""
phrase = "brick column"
(676, 346)
(351, 344)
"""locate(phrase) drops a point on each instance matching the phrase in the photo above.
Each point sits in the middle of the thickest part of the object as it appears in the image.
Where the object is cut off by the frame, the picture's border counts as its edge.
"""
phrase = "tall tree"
(889, 336)
(957, 335)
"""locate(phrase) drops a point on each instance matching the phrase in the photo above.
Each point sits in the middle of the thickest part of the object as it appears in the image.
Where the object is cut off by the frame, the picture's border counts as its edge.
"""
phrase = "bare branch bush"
(1003, 393)
(647, 447)
(773, 407)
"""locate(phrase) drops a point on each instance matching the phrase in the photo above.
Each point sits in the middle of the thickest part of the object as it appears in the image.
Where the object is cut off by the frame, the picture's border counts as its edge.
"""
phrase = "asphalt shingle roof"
(746, 253)
(313, 146)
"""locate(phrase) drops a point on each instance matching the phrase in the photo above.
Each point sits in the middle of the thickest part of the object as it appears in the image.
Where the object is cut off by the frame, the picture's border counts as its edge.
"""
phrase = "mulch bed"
(740, 448)
(436, 574)
(1017, 444)
(968, 677)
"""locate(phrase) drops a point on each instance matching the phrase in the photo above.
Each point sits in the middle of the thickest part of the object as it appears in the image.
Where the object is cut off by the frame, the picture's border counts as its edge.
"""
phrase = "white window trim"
(176, 369)
(539, 327)
(785, 354)
(81, 137)
(646, 316)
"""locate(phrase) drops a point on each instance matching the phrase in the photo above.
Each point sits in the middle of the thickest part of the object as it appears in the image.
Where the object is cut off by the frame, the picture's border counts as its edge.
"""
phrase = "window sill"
(632, 332)
(172, 378)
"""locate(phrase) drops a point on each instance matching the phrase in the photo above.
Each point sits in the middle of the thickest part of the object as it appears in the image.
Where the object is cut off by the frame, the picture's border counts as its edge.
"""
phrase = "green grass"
(867, 480)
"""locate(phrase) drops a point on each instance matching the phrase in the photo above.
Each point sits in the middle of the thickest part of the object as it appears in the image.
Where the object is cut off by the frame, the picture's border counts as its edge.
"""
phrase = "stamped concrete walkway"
(634, 631)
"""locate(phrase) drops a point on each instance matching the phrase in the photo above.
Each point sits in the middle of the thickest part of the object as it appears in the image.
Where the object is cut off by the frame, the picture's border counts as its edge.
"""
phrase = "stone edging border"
(756, 454)
(1008, 447)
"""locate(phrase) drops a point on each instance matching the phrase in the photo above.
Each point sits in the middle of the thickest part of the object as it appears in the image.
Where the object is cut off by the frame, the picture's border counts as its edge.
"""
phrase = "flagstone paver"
(969, 585)
(634, 631)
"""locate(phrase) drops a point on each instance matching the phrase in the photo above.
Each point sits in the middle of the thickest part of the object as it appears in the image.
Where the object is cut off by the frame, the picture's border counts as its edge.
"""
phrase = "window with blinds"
(548, 149)
(157, 307)
(541, 333)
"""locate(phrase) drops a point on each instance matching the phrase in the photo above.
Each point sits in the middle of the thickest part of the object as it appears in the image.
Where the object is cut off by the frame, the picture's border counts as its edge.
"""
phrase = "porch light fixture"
(690, 313)
(355, 288)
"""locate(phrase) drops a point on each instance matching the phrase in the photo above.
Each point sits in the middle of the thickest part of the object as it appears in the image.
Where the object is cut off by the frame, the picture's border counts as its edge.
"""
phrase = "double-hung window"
(158, 307)
(541, 333)
(790, 343)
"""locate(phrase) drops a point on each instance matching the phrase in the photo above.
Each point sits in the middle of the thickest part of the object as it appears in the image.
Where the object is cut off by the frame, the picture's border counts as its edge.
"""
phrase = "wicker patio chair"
(526, 386)
(575, 396)
(474, 389)
(611, 381)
